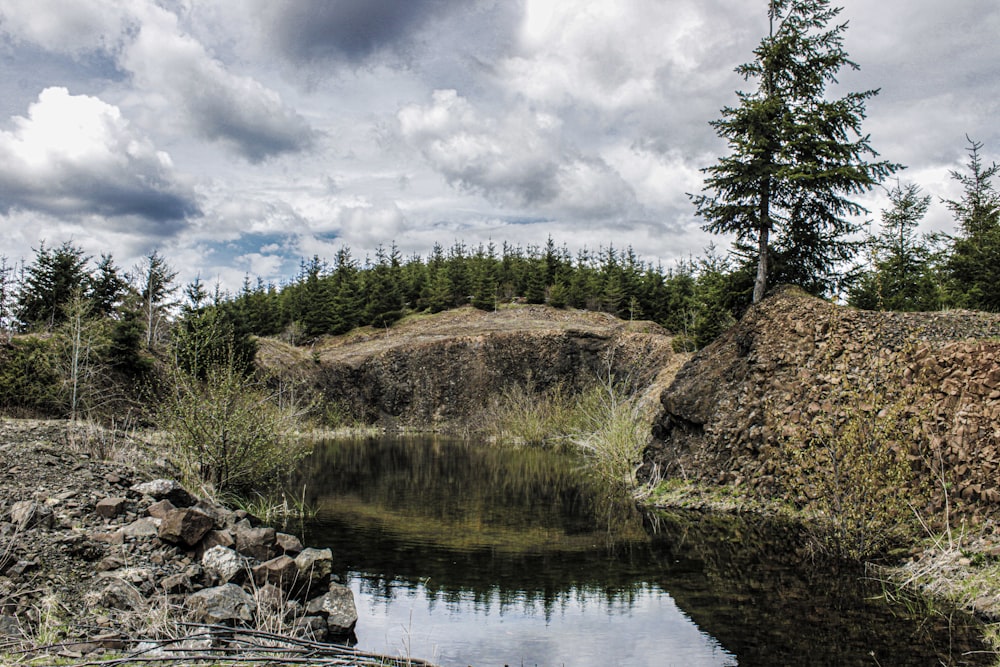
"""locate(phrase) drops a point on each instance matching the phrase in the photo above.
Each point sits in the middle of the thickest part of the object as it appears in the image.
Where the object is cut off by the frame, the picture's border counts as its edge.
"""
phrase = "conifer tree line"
(104, 326)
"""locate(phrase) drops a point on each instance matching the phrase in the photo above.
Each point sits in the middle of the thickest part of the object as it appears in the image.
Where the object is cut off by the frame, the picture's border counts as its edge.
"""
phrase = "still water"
(468, 554)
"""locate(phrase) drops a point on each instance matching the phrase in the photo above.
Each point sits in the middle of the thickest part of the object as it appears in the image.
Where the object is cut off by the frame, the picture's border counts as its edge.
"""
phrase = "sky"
(237, 137)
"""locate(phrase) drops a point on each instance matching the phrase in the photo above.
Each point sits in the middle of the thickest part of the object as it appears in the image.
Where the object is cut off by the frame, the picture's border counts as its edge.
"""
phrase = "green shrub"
(229, 431)
(613, 435)
(30, 382)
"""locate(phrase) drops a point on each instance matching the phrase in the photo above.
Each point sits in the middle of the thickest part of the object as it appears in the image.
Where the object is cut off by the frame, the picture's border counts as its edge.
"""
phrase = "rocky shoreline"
(95, 555)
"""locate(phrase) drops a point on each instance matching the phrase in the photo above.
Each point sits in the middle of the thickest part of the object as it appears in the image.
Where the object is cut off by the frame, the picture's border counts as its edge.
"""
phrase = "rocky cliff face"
(439, 371)
(796, 365)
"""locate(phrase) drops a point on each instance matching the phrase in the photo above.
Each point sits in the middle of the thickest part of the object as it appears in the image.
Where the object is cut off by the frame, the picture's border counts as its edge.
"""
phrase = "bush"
(29, 378)
(613, 435)
(229, 431)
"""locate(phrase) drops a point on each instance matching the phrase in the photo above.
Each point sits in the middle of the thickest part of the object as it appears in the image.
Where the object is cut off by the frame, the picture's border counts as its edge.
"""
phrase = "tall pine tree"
(973, 266)
(796, 156)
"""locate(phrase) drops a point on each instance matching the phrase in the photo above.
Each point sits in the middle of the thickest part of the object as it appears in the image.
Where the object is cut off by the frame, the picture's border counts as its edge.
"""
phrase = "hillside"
(440, 371)
(797, 369)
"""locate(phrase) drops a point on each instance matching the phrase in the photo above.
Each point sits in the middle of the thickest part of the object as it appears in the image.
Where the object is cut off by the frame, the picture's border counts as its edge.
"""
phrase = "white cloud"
(608, 55)
(77, 154)
(179, 78)
(367, 226)
(222, 106)
(584, 119)
(66, 26)
(518, 160)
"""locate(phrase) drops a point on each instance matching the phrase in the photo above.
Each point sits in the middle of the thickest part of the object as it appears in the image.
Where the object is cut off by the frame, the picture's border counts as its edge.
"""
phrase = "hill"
(440, 371)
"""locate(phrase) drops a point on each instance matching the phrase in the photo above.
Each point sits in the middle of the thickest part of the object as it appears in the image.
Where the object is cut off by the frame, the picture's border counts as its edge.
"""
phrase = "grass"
(605, 422)
(276, 507)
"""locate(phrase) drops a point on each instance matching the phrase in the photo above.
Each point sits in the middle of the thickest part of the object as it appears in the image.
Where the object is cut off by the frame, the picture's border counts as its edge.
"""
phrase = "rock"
(9, 626)
(29, 514)
(145, 527)
(337, 605)
(110, 563)
(289, 544)
(311, 627)
(220, 515)
(116, 538)
(159, 509)
(122, 596)
(225, 564)
(217, 538)
(185, 526)
(176, 583)
(109, 508)
(257, 543)
(221, 605)
(270, 599)
(314, 568)
(168, 489)
(281, 572)
(22, 566)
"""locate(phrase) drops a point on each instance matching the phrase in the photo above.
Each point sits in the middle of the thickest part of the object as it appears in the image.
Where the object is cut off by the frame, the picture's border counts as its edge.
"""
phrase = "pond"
(468, 554)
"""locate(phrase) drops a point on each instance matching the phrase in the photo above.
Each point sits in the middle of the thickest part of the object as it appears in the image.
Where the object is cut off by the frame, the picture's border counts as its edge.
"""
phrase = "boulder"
(257, 543)
(215, 538)
(221, 517)
(313, 628)
(337, 606)
(29, 514)
(160, 489)
(281, 572)
(185, 526)
(289, 544)
(271, 599)
(176, 583)
(314, 568)
(121, 595)
(225, 564)
(159, 509)
(109, 508)
(222, 605)
(144, 527)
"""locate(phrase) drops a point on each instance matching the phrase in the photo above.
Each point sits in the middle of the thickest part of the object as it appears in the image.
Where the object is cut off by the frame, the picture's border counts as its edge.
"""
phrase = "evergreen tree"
(383, 289)
(903, 277)
(483, 268)
(972, 268)
(796, 156)
(316, 300)
(458, 275)
(436, 295)
(49, 284)
(107, 287)
(153, 279)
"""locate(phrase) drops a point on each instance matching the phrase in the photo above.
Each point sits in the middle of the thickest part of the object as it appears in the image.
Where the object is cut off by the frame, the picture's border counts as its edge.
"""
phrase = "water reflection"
(480, 555)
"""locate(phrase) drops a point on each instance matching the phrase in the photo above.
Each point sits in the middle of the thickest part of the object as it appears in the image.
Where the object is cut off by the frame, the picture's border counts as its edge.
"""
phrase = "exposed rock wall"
(441, 371)
(795, 362)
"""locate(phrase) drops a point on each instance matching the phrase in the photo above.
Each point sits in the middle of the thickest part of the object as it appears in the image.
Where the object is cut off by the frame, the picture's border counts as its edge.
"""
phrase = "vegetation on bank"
(605, 423)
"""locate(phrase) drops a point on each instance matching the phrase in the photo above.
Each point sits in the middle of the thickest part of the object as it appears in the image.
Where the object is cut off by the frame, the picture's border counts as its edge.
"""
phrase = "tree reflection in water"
(488, 534)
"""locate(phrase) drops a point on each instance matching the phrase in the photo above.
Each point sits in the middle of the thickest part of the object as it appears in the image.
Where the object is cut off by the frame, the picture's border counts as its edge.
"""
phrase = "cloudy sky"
(238, 136)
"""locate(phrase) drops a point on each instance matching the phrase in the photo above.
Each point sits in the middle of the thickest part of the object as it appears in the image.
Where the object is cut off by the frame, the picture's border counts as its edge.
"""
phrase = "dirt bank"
(795, 361)
(440, 371)
(798, 373)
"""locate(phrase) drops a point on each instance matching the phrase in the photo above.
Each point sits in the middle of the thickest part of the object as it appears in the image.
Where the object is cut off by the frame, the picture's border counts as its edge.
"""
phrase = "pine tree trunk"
(760, 284)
